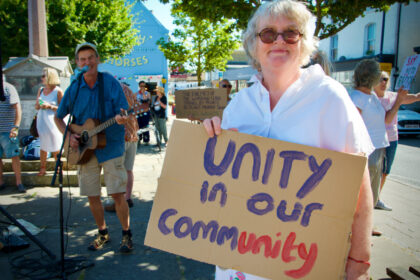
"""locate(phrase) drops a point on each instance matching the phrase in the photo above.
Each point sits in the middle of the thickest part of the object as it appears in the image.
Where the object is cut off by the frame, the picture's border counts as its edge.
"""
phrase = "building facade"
(390, 37)
(145, 62)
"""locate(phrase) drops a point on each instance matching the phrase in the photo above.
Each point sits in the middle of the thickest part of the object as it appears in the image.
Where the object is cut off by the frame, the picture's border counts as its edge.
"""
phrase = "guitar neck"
(106, 124)
(101, 127)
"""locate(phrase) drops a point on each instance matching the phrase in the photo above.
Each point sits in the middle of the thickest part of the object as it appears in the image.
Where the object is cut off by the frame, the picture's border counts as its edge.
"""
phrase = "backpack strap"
(101, 97)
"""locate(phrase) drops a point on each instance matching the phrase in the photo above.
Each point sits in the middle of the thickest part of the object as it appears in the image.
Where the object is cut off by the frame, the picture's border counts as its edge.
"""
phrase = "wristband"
(358, 261)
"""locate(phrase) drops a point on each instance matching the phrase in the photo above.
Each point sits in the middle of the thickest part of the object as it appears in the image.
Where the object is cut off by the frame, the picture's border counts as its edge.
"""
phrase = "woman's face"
(44, 78)
(382, 86)
(279, 54)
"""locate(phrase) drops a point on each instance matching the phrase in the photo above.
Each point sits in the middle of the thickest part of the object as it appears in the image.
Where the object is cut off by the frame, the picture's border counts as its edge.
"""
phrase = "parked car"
(408, 122)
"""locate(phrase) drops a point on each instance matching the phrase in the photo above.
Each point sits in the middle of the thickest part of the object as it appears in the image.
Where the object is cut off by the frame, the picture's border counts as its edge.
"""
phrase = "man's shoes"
(99, 242)
(2, 187)
(111, 207)
(126, 244)
(21, 188)
(382, 206)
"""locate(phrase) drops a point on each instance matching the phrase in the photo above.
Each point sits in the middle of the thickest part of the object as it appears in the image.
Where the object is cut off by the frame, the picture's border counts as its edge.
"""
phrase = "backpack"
(32, 151)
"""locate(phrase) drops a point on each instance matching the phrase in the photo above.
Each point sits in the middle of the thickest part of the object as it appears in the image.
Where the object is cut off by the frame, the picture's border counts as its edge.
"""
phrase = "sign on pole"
(408, 72)
(262, 206)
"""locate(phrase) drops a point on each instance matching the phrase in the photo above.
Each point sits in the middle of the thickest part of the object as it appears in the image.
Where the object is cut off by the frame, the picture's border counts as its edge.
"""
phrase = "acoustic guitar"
(92, 137)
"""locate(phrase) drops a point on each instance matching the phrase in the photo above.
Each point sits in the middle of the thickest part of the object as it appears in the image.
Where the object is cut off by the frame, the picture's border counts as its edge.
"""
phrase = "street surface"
(398, 246)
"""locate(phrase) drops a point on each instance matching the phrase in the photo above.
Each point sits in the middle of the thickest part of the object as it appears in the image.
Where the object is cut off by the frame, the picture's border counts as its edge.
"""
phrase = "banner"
(262, 206)
(200, 103)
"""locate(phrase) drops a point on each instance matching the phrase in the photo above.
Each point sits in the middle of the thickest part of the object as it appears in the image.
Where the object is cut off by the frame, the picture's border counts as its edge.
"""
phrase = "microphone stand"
(81, 262)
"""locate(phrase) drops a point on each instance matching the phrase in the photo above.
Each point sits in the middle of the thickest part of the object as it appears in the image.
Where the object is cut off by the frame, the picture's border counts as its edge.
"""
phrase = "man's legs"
(97, 210)
(122, 210)
(130, 182)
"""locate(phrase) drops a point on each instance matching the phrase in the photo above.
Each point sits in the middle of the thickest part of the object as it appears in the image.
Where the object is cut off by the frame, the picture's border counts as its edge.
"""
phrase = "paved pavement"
(398, 246)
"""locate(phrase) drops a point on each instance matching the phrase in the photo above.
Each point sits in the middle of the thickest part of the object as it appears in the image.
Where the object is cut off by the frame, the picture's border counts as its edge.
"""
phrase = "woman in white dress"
(47, 102)
(297, 105)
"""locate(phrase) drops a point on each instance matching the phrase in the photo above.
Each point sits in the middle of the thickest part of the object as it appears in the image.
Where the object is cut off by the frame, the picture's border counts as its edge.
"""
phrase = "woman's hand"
(402, 95)
(212, 126)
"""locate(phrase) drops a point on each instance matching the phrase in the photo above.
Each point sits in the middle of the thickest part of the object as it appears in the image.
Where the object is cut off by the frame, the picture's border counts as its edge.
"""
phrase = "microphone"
(78, 72)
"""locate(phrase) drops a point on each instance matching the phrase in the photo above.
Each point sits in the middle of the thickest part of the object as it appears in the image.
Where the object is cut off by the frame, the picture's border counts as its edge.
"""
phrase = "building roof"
(60, 63)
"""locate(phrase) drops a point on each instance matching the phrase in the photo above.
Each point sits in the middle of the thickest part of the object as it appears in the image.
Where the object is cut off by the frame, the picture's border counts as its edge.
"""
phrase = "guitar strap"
(101, 98)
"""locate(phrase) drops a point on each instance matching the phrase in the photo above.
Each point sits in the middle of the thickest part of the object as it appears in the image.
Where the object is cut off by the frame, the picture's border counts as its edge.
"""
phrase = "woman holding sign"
(298, 105)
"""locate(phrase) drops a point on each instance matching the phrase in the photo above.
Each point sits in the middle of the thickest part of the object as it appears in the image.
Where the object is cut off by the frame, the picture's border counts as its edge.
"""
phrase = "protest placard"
(408, 72)
(200, 103)
(262, 206)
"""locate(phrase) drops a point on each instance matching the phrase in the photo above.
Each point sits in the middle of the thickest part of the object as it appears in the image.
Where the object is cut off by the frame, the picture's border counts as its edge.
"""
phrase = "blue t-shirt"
(87, 106)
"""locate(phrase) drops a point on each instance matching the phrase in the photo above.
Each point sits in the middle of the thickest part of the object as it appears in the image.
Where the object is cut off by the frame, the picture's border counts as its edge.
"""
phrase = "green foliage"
(13, 28)
(203, 45)
(339, 12)
(106, 23)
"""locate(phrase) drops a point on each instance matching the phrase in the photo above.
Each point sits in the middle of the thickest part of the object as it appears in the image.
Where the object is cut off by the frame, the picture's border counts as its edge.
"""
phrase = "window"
(370, 39)
(334, 48)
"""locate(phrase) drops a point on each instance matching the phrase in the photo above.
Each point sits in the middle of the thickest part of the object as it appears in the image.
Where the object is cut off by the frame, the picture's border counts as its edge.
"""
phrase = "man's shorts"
(89, 175)
(9, 147)
(130, 155)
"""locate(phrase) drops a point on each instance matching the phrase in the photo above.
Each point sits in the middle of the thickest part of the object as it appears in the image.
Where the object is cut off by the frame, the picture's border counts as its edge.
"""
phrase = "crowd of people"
(279, 41)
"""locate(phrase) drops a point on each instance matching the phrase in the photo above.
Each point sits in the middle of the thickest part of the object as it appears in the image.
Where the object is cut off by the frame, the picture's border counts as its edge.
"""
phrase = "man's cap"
(86, 45)
(160, 89)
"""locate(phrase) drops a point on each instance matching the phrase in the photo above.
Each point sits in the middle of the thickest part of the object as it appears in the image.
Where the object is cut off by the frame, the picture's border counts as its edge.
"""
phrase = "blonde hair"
(51, 76)
(294, 11)
(386, 75)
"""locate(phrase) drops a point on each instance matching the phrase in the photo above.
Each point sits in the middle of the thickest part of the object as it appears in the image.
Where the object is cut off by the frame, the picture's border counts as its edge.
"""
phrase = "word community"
(280, 245)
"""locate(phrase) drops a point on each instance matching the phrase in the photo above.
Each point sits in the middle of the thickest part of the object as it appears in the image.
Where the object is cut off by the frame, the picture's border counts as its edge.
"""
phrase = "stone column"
(38, 41)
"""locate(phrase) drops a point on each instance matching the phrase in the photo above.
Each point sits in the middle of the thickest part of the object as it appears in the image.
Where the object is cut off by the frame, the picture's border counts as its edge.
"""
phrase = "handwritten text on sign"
(408, 72)
(200, 103)
(258, 206)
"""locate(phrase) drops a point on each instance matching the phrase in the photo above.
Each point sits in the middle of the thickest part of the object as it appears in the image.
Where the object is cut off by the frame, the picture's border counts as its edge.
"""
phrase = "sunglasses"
(385, 79)
(43, 76)
(269, 35)
(226, 86)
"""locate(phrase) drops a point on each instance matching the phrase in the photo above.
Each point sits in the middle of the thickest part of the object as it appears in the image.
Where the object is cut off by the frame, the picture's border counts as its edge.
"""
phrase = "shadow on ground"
(143, 263)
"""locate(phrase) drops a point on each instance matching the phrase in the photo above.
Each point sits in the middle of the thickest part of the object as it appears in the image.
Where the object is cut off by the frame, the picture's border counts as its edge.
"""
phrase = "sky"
(162, 12)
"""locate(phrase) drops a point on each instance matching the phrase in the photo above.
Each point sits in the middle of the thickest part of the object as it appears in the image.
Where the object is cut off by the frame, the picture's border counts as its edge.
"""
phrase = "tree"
(106, 23)
(331, 16)
(203, 45)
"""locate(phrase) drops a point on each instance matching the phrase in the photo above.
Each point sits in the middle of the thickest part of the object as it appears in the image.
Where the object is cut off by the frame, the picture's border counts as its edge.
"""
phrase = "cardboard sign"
(200, 103)
(408, 72)
(262, 206)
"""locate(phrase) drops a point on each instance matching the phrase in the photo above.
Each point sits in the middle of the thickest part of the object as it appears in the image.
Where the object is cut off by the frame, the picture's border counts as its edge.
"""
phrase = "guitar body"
(87, 145)
(97, 140)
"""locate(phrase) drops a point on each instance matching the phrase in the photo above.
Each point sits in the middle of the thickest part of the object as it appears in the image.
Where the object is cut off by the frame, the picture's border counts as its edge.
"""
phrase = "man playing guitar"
(98, 95)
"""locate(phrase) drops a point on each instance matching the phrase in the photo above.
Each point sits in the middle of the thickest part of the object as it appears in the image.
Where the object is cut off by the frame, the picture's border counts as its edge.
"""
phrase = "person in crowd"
(279, 40)
(131, 140)
(320, 57)
(10, 117)
(47, 101)
(366, 75)
(391, 101)
(227, 85)
(159, 109)
(96, 95)
(143, 96)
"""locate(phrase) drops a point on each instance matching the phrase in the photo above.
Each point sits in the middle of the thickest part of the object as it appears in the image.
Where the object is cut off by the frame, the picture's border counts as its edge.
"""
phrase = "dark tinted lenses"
(269, 35)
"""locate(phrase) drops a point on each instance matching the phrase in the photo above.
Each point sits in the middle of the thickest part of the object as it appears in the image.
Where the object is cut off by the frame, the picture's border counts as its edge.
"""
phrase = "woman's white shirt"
(373, 114)
(315, 111)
